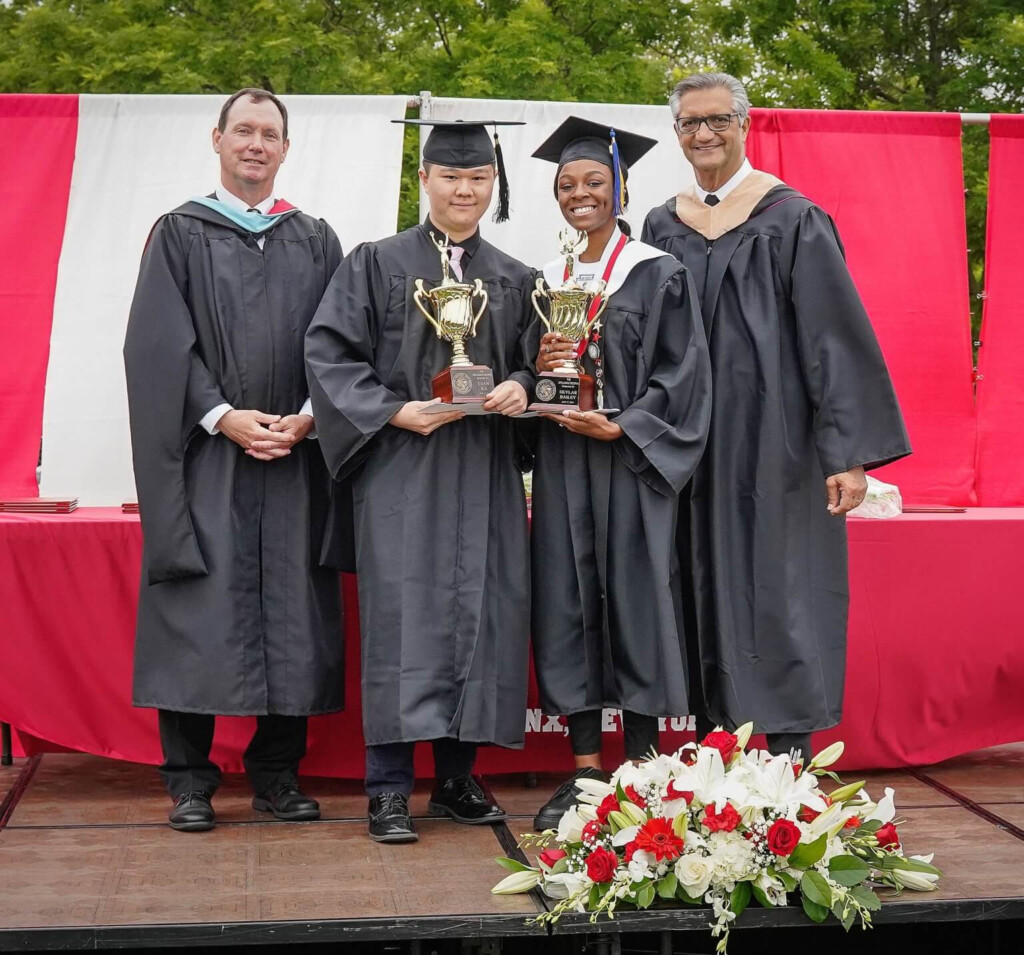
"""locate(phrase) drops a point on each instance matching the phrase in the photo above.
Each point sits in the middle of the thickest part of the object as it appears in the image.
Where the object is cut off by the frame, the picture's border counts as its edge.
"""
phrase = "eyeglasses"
(718, 123)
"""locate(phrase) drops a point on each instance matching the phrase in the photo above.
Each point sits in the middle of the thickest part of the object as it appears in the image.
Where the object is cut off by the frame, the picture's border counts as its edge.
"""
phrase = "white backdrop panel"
(138, 157)
(532, 230)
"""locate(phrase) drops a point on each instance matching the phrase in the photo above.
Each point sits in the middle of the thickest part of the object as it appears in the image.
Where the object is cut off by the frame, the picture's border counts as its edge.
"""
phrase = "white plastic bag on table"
(882, 500)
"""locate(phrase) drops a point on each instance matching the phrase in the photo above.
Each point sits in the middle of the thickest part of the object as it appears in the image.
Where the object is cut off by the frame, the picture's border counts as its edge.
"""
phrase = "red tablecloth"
(936, 652)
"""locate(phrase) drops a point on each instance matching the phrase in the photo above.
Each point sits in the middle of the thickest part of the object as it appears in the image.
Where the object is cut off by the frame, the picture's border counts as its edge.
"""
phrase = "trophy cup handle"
(482, 292)
(540, 292)
(418, 297)
(597, 315)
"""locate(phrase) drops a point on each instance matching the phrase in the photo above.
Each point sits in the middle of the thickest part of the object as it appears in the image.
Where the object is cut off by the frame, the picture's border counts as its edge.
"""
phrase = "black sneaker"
(564, 798)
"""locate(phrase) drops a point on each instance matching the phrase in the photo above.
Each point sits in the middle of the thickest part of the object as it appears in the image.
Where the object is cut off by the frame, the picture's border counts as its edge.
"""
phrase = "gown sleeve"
(857, 419)
(350, 402)
(666, 427)
(169, 391)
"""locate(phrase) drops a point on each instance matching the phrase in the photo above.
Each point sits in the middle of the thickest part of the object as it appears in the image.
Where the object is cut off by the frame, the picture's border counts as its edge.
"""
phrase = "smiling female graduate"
(607, 613)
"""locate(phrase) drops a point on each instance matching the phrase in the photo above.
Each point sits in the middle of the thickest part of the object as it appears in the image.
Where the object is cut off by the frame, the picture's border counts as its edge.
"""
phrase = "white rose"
(694, 873)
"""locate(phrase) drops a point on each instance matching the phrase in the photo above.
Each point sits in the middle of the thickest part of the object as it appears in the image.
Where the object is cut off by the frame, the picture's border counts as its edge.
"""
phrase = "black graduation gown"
(607, 596)
(440, 520)
(236, 615)
(801, 392)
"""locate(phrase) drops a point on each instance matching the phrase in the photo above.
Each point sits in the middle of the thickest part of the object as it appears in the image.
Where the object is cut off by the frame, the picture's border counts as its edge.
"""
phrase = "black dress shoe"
(192, 812)
(287, 802)
(564, 798)
(462, 799)
(389, 818)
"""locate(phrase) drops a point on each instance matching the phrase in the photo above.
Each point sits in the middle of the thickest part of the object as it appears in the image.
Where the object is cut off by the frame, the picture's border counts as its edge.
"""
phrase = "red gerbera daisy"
(656, 836)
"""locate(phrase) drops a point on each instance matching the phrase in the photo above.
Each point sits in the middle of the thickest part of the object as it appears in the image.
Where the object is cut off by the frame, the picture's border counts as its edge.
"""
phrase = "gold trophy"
(568, 387)
(462, 382)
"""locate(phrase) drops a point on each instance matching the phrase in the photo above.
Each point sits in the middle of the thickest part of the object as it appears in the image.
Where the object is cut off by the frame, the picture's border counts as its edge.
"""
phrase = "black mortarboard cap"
(579, 138)
(464, 145)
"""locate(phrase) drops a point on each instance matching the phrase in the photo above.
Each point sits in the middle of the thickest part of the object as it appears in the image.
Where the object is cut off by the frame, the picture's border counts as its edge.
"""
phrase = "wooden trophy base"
(463, 384)
(556, 393)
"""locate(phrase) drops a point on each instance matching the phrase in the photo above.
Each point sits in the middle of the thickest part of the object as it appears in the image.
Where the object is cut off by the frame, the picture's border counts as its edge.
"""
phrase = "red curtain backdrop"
(931, 673)
(1000, 480)
(38, 133)
(894, 184)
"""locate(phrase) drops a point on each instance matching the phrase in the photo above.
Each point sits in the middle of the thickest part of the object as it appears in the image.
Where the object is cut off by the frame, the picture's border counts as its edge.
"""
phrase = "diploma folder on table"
(38, 505)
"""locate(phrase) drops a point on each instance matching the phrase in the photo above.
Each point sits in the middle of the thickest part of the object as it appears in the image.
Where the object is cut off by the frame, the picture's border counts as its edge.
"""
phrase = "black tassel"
(501, 213)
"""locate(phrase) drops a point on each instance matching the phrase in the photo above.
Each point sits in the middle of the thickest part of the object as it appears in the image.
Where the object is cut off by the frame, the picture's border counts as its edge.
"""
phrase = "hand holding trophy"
(574, 311)
(450, 310)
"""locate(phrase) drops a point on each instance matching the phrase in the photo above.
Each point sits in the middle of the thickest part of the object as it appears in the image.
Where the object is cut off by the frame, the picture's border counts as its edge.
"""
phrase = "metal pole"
(6, 749)
(975, 119)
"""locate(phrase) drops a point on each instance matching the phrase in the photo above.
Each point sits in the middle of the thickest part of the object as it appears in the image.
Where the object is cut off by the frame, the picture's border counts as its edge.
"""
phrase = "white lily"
(585, 812)
(918, 881)
(594, 787)
(625, 836)
(673, 807)
(774, 785)
(570, 826)
(564, 884)
(708, 781)
(517, 882)
(885, 809)
(743, 736)
(828, 755)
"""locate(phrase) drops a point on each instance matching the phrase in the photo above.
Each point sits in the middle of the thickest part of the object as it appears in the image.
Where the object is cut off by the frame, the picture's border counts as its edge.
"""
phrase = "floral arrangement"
(717, 824)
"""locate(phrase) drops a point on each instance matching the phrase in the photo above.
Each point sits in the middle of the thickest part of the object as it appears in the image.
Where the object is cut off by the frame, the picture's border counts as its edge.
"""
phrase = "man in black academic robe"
(236, 615)
(440, 517)
(803, 406)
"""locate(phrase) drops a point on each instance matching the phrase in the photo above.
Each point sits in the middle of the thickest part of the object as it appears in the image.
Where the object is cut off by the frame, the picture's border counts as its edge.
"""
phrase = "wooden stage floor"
(86, 861)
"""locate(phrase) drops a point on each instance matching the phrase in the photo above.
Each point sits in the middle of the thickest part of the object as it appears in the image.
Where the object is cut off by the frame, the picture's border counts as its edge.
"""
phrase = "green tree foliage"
(838, 54)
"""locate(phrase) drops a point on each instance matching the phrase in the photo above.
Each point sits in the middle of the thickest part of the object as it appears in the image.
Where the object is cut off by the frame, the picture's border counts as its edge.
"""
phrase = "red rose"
(887, 837)
(806, 814)
(724, 821)
(634, 797)
(608, 804)
(783, 837)
(725, 743)
(672, 793)
(550, 856)
(601, 864)
(657, 837)
(592, 831)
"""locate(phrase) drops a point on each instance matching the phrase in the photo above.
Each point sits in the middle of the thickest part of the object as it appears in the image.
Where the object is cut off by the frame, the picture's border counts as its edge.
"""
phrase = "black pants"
(778, 743)
(639, 732)
(271, 759)
(389, 767)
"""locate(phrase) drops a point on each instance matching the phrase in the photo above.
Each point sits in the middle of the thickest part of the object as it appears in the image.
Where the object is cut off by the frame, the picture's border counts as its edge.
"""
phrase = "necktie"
(455, 257)
(711, 199)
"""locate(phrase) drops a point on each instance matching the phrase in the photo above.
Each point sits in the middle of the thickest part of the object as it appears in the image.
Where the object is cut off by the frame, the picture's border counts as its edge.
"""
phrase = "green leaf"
(913, 865)
(786, 879)
(762, 899)
(806, 854)
(814, 887)
(686, 898)
(595, 897)
(740, 897)
(667, 886)
(872, 825)
(562, 865)
(620, 794)
(513, 865)
(866, 897)
(645, 896)
(815, 912)
(848, 870)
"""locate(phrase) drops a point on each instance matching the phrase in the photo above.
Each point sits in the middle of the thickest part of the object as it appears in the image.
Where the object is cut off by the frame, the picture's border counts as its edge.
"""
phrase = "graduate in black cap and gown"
(607, 606)
(439, 508)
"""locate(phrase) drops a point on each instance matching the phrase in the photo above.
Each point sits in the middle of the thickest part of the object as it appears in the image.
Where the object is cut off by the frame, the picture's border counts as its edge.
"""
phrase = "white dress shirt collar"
(723, 190)
(230, 199)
